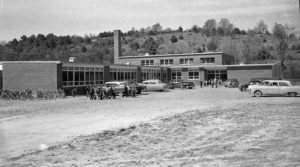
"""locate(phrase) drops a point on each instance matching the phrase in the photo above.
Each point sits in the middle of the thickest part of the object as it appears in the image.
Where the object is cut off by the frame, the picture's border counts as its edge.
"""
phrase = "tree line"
(99, 48)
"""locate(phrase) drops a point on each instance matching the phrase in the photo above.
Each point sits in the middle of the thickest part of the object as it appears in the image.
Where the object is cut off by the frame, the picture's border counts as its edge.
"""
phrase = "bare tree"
(261, 27)
(210, 27)
(225, 25)
(246, 49)
(213, 43)
(283, 35)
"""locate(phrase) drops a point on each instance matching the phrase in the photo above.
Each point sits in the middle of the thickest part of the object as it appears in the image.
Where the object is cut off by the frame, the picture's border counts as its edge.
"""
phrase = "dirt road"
(24, 126)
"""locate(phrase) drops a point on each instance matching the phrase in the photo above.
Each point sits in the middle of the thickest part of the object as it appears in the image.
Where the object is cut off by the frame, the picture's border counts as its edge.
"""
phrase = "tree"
(180, 29)
(157, 28)
(195, 28)
(83, 49)
(199, 50)
(181, 37)
(246, 50)
(210, 27)
(283, 35)
(213, 44)
(236, 31)
(261, 27)
(134, 46)
(174, 39)
(220, 31)
(150, 46)
(225, 25)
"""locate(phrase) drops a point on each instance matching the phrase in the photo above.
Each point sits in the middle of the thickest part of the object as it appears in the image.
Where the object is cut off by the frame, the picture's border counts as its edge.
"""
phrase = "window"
(274, 84)
(283, 84)
(166, 62)
(207, 60)
(176, 74)
(147, 62)
(186, 61)
(193, 74)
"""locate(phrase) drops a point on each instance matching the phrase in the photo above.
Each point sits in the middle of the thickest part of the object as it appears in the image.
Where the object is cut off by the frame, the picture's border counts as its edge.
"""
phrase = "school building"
(52, 75)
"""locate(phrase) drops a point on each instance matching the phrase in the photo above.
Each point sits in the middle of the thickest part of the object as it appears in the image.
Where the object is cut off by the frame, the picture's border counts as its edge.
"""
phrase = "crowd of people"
(27, 94)
(211, 82)
(109, 92)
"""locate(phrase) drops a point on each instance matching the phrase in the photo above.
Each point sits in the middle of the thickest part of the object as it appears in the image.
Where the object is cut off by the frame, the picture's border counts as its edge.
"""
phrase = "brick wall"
(176, 59)
(30, 75)
(244, 76)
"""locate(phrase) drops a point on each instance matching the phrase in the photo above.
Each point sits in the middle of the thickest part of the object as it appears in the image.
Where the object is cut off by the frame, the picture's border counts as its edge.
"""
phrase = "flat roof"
(11, 62)
(172, 55)
(220, 66)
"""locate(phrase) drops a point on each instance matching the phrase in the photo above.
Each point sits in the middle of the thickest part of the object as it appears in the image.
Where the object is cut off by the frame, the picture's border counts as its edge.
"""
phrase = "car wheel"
(258, 93)
(292, 94)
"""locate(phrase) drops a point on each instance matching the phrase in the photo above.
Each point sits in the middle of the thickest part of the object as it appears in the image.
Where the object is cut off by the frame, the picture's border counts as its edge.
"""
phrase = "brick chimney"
(117, 46)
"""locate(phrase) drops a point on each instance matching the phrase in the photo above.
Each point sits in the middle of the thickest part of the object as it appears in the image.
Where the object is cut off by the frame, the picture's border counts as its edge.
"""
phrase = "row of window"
(165, 62)
(74, 78)
(147, 63)
(118, 74)
(80, 76)
(150, 74)
(193, 74)
(185, 61)
(70, 68)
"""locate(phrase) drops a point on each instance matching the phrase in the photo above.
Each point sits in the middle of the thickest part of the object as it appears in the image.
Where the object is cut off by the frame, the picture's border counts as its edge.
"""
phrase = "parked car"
(274, 87)
(178, 84)
(231, 83)
(154, 85)
(253, 81)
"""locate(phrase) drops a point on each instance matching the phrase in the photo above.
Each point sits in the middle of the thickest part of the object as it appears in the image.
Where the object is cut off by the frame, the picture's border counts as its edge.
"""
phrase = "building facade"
(197, 67)
(194, 67)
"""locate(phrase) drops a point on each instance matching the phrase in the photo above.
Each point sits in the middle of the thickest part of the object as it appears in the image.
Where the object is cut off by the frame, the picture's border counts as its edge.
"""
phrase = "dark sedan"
(181, 84)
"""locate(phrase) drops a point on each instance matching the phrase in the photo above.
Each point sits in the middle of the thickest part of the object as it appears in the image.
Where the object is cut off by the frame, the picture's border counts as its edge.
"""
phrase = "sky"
(80, 17)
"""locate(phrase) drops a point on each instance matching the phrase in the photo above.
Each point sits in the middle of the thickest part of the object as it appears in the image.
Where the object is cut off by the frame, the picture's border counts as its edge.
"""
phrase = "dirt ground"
(200, 127)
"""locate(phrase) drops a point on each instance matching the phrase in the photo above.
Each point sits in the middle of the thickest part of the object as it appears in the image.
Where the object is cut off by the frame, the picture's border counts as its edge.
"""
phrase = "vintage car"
(231, 83)
(274, 87)
(154, 85)
(253, 81)
(181, 84)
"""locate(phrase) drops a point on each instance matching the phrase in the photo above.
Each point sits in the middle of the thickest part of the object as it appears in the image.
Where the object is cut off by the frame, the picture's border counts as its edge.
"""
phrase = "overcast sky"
(69, 17)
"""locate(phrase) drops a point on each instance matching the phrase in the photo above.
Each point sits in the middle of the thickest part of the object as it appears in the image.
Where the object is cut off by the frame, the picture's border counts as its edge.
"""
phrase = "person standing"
(92, 93)
(216, 82)
(201, 84)
(133, 90)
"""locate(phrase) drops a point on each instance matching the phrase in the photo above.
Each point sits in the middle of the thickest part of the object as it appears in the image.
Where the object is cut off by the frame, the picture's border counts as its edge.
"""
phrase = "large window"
(165, 62)
(194, 74)
(150, 74)
(82, 76)
(176, 74)
(186, 61)
(123, 74)
(147, 62)
(207, 60)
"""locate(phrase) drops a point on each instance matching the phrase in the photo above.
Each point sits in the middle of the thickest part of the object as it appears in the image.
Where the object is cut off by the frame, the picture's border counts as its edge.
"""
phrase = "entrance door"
(219, 74)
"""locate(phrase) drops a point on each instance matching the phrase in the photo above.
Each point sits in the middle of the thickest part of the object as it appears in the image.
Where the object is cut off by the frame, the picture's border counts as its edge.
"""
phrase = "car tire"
(258, 93)
(292, 94)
